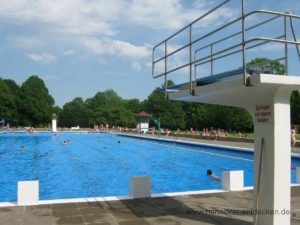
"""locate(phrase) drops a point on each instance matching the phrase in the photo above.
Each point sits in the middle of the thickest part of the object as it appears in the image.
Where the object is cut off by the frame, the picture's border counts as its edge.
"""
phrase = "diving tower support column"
(272, 154)
(267, 99)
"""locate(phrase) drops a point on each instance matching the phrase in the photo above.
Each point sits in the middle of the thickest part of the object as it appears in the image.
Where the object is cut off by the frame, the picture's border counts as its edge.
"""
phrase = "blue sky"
(80, 47)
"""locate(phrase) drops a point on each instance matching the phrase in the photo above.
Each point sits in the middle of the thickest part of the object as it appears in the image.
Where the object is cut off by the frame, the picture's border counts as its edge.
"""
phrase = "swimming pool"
(101, 164)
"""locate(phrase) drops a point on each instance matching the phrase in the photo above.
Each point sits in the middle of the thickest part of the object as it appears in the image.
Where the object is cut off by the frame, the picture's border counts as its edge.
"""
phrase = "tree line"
(30, 104)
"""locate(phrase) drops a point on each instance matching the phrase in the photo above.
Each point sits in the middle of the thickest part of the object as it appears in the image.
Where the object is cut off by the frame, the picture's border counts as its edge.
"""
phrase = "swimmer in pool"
(213, 176)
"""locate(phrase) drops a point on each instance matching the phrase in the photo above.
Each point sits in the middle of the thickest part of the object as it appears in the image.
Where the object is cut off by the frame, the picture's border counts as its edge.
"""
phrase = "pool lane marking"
(209, 153)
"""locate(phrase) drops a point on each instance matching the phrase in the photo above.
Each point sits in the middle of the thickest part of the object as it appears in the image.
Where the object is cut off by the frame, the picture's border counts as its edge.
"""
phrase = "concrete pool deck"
(238, 144)
(228, 208)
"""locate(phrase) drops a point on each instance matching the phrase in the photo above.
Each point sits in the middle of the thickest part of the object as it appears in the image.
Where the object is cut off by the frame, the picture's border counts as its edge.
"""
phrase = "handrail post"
(285, 47)
(153, 64)
(211, 60)
(195, 65)
(191, 55)
(166, 69)
(243, 42)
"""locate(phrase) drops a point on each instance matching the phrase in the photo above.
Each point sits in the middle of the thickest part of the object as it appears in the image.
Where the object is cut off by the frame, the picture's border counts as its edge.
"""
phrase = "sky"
(81, 47)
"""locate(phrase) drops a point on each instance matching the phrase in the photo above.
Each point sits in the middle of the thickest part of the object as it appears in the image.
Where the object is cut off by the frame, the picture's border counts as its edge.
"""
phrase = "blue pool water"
(102, 164)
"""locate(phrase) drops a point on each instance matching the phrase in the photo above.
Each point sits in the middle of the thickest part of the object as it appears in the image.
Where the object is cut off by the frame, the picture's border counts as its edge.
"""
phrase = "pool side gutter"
(120, 198)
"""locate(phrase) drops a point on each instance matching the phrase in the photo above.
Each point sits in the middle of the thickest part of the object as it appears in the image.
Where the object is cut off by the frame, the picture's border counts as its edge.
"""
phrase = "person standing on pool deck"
(213, 176)
(293, 137)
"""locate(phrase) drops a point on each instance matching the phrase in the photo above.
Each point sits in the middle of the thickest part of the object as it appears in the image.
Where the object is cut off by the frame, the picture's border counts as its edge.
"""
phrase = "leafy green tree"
(37, 103)
(195, 115)
(276, 66)
(168, 112)
(295, 108)
(109, 107)
(74, 114)
(7, 104)
(133, 105)
(15, 90)
(170, 83)
(237, 119)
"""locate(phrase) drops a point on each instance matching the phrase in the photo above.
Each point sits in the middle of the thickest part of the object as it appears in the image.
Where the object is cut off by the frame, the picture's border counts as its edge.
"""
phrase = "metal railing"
(241, 46)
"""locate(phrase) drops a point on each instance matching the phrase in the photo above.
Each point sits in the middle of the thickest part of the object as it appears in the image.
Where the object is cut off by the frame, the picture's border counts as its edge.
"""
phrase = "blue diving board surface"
(218, 77)
(206, 80)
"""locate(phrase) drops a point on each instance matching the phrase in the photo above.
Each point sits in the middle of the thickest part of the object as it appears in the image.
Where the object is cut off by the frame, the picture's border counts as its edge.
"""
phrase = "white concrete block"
(233, 180)
(298, 175)
(140, 187)
(54, 125)
(28, 192)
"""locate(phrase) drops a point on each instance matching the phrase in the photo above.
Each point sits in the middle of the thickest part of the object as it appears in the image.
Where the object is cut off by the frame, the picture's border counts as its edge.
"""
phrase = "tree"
(74, 113)
(15, 92)
(295, 108)
(133, 105)
(168, 112)
(109, 107)
(276, 66)
(6, 102)
(37, 103)
(195, 115)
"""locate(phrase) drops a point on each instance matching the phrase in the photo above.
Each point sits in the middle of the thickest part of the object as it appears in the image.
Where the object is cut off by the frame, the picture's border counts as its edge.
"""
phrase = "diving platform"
(263, 91)
(232, 92)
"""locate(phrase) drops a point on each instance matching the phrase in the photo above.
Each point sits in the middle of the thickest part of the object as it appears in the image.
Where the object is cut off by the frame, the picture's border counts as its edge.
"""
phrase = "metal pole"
(166, 70)
(153, 64)
(195, 66)
(191, 55)
(211, 60)
(243, 42)
(285, 47)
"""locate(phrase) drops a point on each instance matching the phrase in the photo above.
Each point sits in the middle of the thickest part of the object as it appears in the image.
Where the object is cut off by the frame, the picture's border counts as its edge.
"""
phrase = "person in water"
(213, 176)
(66, 142)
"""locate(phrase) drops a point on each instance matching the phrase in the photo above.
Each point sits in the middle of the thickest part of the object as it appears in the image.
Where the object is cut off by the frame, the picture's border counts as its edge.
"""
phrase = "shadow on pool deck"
(189, 210)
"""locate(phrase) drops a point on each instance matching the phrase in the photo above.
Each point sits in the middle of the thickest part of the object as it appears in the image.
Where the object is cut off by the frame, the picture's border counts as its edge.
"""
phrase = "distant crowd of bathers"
(206, 133)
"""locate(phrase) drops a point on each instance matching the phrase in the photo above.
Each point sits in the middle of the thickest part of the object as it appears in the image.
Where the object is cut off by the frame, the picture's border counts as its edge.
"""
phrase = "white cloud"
(42, 57)
(171, 14)
(94, 25)
(73, 17)
(116, 48)
(103, 17)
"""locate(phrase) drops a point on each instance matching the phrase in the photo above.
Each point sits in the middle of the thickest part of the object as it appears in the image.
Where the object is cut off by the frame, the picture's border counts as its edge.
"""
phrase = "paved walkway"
(198, 140)
(222, 209)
